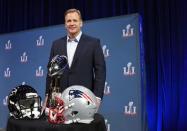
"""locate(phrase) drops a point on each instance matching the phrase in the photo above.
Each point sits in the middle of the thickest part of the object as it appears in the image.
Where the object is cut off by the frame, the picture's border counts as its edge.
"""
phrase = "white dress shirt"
(71, 47)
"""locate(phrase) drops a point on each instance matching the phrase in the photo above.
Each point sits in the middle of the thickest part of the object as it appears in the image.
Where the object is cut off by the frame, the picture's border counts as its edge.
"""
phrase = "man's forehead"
(72, 15)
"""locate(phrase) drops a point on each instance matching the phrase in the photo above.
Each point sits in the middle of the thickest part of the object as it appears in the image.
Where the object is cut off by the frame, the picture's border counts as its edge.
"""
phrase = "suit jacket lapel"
(63, 47)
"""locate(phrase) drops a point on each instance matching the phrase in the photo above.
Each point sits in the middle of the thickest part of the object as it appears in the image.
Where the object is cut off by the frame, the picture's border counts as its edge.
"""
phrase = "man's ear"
(81, 24)
(65, 26)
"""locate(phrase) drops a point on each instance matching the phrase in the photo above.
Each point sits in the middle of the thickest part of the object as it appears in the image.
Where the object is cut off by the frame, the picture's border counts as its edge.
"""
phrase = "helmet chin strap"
(72, 121)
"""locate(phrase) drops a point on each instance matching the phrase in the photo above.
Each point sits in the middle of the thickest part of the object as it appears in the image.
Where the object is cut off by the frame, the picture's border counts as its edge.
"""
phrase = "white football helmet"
(81, 103)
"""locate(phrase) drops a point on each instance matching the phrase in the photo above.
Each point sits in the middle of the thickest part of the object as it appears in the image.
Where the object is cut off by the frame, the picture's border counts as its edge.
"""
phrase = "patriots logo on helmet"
(78, 94)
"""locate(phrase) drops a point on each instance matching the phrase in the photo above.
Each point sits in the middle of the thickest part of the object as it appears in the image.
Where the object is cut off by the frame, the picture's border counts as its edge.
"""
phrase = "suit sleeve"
(99, 70)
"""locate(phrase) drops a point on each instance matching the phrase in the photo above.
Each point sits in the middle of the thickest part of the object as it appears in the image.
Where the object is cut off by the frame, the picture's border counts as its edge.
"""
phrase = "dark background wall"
(165, 37)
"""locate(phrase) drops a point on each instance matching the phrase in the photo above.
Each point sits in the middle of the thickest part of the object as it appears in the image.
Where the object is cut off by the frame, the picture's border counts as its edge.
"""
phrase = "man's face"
(73, 24)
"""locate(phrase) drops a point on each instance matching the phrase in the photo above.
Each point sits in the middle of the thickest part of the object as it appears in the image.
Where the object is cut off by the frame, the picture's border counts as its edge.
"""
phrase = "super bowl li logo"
(7, 72)
(8, 45)
(130, 109)
(40, 41)
(107, 125)
(107, 89)
(23, 57)
(128, 31)
(129, 69)
(5, 101)
(105, 51)
(39, 72)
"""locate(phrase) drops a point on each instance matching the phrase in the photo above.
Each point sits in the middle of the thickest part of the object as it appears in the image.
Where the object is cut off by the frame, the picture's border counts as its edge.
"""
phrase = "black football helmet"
(24, 102)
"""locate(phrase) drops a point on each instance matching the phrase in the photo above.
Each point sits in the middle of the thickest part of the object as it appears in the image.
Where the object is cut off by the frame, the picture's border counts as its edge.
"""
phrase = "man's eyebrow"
(72, 20)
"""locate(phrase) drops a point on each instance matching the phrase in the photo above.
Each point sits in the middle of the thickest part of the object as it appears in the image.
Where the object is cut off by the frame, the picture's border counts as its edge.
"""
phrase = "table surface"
(98, 124)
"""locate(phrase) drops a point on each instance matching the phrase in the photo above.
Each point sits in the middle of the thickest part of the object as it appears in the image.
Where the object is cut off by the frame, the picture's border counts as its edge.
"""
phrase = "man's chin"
(73, 33)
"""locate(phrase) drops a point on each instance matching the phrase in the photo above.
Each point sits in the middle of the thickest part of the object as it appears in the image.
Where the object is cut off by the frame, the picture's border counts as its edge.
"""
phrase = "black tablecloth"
(98, 124)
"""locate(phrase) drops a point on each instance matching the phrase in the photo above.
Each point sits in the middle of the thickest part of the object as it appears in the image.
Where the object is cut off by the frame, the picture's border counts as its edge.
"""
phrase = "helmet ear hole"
(74, 113)
(88, 103)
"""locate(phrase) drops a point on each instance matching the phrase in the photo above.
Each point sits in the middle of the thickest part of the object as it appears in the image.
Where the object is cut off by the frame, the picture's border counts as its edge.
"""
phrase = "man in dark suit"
(85, 57)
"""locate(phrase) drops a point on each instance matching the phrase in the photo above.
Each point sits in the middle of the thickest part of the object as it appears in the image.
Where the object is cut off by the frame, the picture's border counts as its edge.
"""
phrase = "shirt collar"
(77, 38)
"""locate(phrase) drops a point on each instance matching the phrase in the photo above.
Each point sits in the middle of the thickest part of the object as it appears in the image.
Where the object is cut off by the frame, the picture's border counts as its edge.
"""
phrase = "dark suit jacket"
(88, 67)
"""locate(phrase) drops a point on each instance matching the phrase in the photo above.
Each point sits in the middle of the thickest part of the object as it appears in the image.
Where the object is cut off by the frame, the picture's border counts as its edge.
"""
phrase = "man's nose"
(72, 22)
